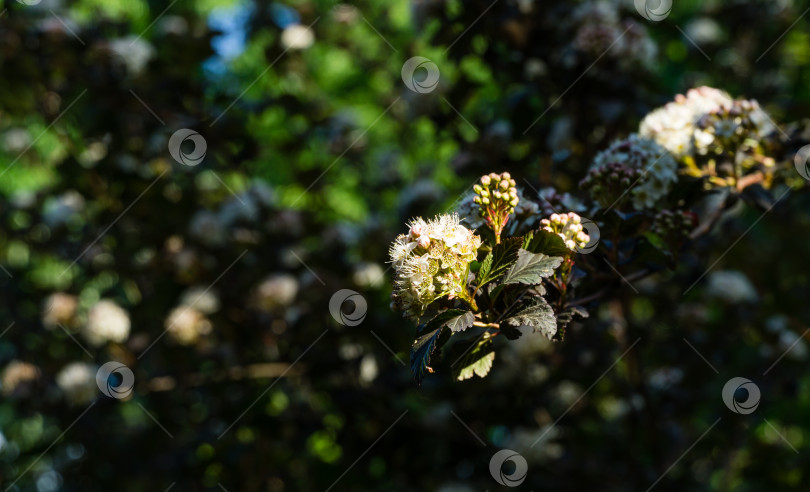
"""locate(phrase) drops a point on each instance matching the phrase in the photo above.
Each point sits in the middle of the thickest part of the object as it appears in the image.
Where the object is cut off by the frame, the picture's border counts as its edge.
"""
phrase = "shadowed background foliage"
(317, 153)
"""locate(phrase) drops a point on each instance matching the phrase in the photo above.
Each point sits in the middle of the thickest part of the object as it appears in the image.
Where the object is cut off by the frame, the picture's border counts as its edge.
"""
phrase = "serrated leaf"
(531, 268)
(548, 243)
(479, 368)
(461, 322)
(510, 332)
(428, 338)
(420, 353)
(456, 319)
(503, 256)
(565, 317)
(478, 361)
(486, 267)
(537, 314)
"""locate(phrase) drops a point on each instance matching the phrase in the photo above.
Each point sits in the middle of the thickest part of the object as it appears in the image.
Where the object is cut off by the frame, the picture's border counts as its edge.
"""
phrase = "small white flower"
(106, 322)
(201, 298)
(186, 325)
(135, 52)
(16, 375)
(277, 290)
(78, 381)
(731, 286)
(297, 37)
(59, 309)
(368, 275)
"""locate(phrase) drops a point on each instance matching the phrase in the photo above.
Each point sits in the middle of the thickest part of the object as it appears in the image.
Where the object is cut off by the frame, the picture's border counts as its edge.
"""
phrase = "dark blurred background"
(211, 281)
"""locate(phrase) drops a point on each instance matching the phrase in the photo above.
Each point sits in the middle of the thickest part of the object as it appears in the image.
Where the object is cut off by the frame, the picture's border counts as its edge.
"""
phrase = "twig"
(486, 325)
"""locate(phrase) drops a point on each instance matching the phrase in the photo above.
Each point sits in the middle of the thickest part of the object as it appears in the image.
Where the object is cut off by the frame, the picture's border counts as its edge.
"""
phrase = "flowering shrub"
(445, 271)
(517, 265)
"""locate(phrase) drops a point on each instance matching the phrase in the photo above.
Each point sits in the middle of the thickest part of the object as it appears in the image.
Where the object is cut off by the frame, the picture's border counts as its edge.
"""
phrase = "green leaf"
(476, 362)
(486, 267)
(461, 322)
(656, 241)
(531, 268)
(548, 243)
(456, 319)
(428, 338)
(420, 354)
(567, 316)
(537, 314)
(499, 260)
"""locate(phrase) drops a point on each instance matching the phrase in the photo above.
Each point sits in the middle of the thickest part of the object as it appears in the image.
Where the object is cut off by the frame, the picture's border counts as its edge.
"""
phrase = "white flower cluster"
(275, 292)
(187, 322)
(106, 322)
(134, 51)
(727, 128)
(185, 325)
(431, 261)
(673, 125)
(731, 286)
(704, 119)
(18, 378)
(569, 228)
(60, 309)
(657, 166)
(78, 381)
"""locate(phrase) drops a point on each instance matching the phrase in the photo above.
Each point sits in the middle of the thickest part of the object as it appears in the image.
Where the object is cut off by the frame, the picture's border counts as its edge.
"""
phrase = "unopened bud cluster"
(431, 261)
(496, 197)
(726, 129)
(569, 228)
(708, 121)
(646, 173)
(673, 227)
(607, 185)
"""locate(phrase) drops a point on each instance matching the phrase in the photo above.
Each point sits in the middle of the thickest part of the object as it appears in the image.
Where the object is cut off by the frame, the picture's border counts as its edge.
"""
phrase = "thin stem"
(481, 324)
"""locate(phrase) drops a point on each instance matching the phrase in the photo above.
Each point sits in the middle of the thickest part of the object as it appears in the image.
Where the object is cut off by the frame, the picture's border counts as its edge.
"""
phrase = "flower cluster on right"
(507, 259)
